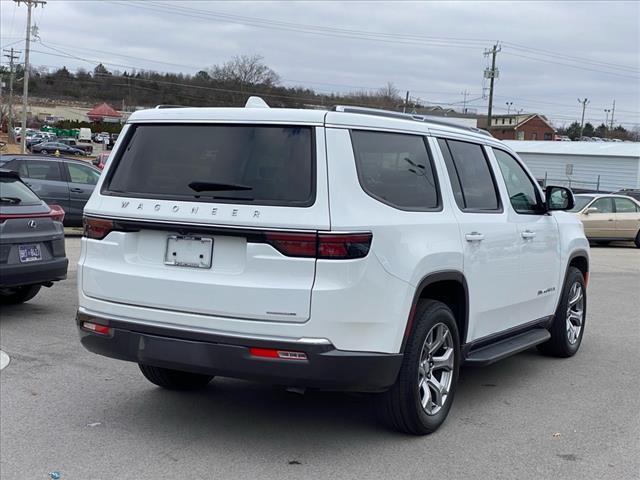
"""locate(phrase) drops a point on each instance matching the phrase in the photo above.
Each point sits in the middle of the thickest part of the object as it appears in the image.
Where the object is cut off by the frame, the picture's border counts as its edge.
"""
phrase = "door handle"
(528, 234)
(474, 237)
(76, 190)
(609, 219)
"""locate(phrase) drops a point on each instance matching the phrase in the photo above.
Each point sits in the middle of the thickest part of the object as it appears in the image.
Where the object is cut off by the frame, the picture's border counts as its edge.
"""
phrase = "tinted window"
(241, 164)
(82, 174)
(468, 163)
(580, 203)
(522, 191)
(40, 170)
(395, 169)
(453, 175)
(604, 205)
(625, 206)
(14, 192)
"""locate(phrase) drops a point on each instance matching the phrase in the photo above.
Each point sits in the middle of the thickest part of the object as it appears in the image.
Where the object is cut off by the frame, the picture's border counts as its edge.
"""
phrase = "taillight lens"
(57, 213)
(97, 228)
(344, 246)
(294, 244)
(336, 246)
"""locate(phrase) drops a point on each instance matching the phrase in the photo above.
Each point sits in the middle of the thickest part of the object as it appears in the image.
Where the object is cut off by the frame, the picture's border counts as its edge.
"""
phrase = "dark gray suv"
(32, 251)
(56, 180)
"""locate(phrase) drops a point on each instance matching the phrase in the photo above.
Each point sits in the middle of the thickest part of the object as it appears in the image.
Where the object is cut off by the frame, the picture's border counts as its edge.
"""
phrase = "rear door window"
(471, 177)
(396, 169)
(624, 205)
(41, 170)
(256, 164)
(82, 174)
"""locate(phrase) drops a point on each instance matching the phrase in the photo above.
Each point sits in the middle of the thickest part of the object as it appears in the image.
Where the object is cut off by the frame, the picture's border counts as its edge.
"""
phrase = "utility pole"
(606, 120)
(464, 94)
(25, 92)
(584, 106)
(12, 55)
(613, 112)
(491, 74)
(406, 103)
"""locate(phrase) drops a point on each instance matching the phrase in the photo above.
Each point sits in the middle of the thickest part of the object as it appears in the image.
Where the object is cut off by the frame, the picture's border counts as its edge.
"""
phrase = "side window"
(604, 205)
(82, 174)
(471, 178)
(396, 169)
(43, 170)
(522, 191)
(625, 206)
(17, 166)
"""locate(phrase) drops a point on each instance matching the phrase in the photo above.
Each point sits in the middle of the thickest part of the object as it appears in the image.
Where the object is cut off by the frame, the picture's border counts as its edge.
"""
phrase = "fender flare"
(430, 279)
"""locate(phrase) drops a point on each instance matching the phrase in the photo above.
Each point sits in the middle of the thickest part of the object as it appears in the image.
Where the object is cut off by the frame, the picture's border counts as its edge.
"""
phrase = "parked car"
(32, 251)
(609, 217)
(52, 147)
(112, 140)
(586, 139)
(72, 142)
(630, 192)
(99, 137)
(84, 135)
(62, 181)
(36, 139)
(101, 160)
(424, 245)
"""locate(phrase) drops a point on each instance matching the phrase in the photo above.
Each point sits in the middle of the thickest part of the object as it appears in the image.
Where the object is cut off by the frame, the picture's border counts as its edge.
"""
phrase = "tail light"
(336, 246)
(97, 228)
(57, 213)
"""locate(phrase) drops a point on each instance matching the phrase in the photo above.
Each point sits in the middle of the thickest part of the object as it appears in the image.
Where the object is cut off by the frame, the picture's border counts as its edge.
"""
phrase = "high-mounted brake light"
(97, 228)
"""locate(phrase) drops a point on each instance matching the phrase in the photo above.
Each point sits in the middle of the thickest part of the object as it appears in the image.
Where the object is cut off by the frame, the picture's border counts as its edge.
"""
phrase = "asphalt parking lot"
(64, 409)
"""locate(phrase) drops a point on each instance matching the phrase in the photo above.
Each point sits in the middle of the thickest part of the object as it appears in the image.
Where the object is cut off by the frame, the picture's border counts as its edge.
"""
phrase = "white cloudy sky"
(552, 52)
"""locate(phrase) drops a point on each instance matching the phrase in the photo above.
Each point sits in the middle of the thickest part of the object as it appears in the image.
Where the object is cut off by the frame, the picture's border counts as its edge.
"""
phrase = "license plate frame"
(29, 252)
(189, 251)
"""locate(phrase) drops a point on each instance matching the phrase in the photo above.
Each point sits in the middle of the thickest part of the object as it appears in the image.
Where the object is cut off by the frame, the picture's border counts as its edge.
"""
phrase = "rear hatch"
(207, 218)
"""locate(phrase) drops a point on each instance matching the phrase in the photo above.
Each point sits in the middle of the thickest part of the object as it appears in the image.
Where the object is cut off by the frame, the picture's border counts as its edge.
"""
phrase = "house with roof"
(104, 113)
(523, 126)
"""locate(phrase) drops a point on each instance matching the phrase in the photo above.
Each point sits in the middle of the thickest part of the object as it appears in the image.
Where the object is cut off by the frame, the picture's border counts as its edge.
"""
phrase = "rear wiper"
(12, 200)
(216, 187)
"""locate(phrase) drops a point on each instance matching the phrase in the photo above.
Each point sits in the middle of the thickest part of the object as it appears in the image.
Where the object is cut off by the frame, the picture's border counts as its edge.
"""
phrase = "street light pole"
(606, 121)
(509, 105)
(25, 90)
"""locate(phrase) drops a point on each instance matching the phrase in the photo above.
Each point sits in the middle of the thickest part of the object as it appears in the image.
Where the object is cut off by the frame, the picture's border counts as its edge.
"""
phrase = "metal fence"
(576, 185)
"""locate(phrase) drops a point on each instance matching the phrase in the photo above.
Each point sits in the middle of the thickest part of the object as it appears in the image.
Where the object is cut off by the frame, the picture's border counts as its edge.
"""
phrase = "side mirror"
(559, 198)
(591, 210)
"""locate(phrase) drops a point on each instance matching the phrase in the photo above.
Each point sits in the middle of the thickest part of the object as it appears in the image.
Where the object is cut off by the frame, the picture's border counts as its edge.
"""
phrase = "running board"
(504, 348)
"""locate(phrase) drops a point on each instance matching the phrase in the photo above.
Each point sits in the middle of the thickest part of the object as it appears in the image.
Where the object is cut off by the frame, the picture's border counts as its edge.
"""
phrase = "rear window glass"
(14, 192)
(266, 165)
(396, 169)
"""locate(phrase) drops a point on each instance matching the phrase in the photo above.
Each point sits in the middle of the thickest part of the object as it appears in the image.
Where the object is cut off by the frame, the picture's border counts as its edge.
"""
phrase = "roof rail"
(158, 107)
(408, 116)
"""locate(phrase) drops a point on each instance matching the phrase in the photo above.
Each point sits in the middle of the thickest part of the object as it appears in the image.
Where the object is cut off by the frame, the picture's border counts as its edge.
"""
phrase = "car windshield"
(581, 202)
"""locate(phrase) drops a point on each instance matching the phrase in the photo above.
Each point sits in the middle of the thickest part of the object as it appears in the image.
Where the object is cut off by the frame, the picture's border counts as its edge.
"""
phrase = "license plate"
(185, 251)
(29, 253)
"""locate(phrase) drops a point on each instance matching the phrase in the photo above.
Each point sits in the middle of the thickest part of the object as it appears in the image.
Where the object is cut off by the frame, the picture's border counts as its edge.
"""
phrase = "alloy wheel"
(435, 372)
(575, 312)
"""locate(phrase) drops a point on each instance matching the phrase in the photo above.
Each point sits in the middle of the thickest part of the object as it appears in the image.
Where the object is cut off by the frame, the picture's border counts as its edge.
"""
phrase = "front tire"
(16, 295)
(567, 329)
(174, 379)
(637, 240)
(419, 401)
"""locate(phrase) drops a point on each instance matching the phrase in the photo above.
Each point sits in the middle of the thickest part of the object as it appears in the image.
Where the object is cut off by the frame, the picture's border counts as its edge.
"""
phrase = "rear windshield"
(14, 192)
(265, 165)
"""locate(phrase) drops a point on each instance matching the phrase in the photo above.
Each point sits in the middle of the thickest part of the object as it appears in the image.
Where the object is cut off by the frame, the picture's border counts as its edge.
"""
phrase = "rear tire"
(567, 329)
(419, 401)
(174, 379)
(44, 152)
(16, 295)
(637, 240)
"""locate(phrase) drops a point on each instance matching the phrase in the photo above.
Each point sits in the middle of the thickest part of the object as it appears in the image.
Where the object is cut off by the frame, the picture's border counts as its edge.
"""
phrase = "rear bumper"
(15, 275)
(226, 356)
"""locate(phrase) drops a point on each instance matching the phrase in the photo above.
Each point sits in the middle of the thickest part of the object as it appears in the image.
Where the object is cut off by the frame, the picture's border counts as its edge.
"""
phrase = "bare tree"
(245, 70)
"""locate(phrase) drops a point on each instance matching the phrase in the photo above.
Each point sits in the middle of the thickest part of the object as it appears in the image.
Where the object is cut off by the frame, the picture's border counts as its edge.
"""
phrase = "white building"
(604, 166)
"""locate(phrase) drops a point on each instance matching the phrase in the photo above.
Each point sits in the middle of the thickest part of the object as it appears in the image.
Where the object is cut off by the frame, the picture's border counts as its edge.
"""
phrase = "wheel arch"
(449, 287)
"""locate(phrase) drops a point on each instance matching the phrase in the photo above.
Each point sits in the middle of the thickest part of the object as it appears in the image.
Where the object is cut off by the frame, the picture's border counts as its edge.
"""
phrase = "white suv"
(353, 249)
